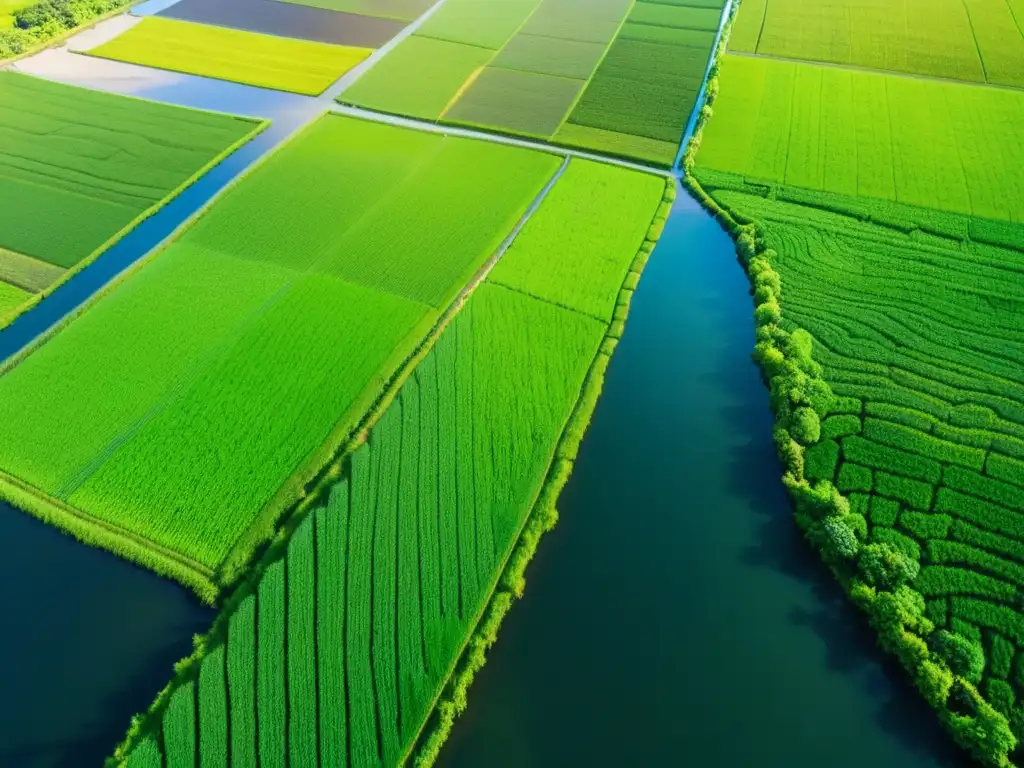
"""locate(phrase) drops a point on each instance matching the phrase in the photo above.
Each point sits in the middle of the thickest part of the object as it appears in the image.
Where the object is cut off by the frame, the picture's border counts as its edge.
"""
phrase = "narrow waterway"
(674, 616)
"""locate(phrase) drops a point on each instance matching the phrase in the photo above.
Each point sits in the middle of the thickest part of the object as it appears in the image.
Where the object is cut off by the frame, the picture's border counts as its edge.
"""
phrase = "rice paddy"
(295, 323)
(614, 76)
(928, 143)
(284, 64)
(979, 41)
(397, 578)
(81, 167)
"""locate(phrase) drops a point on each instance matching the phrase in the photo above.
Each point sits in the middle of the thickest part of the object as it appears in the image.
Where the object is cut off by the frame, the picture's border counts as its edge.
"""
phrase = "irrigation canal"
(673, 616)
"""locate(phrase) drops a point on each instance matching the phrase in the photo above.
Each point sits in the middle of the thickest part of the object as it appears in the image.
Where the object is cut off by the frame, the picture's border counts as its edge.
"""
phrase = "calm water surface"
(674, 616)
(88, 640)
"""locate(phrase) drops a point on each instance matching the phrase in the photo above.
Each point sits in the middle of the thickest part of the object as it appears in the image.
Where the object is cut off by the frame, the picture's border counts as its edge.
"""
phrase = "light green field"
(305, 287)
(483, 23)
(596, 209)
(934, 144)
(419, 78)
(11, 297)
(281, 63)
(978, 40)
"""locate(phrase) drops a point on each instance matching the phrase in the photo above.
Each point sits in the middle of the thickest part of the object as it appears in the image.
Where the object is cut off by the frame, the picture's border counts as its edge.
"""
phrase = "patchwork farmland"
(337, 394)
(614, 76)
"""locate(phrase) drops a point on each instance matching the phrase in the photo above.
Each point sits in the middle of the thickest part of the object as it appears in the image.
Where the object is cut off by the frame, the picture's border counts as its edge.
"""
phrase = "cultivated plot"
(350, 637)
(306, 286)
(265, 61)
(78, 167)
(978, 40)
(935, 144)
(303, 22)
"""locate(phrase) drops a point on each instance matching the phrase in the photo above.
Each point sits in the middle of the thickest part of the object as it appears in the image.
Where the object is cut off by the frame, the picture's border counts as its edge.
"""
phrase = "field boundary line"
(321, 466)
(540, 517)
(881, 72)
(719, 46)
(348, 79)
(498, 138)
(259, 127)
(974, 37)
(586, 83)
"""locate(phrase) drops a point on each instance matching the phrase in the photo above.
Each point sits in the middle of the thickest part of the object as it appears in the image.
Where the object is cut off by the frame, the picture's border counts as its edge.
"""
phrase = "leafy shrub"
(1001, 653)
(1005, 468)
(853, 477)
(884, 511)
(884, 566)
(840, 426)
(936, 610)
(806, 426)
(840, 538)
(964, 657)
(820, 460)
(897, 540)
(913, 492)
(856, 523)
(1000, 695)
(926, 526)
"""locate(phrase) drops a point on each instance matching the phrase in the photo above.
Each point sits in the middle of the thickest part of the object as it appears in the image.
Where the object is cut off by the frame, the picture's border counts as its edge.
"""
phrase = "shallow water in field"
(674, 616)
(88, 640)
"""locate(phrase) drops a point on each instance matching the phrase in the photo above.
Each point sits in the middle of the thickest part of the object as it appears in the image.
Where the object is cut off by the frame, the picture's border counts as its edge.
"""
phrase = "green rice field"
(80, 167)
(979, 40)
(281, 63)
(615, 76)
(292, 332)
(351, 633)
(927, 143)
(399, 10)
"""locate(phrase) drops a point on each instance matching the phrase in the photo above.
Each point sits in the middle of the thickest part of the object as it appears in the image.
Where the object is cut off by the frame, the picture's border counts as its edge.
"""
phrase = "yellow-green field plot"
(950, 146)
(265, 61)
(978, 40)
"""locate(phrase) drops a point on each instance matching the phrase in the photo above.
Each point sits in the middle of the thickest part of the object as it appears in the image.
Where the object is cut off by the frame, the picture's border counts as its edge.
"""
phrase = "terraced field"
(615, 76)
(303, 301)
(79, 168)
(351, 634)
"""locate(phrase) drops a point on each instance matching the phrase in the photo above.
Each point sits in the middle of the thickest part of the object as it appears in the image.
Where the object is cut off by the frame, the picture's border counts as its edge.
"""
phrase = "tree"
(964, 657)
(885, 567)
(805, 426)
(839, 538)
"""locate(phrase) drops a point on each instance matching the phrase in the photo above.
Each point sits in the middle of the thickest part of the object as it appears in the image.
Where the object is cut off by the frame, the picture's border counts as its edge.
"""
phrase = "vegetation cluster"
(36, 23)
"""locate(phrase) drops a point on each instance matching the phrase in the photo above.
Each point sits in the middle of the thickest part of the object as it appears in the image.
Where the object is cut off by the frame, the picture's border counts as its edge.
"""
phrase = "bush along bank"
(878, 577)
(45, 21)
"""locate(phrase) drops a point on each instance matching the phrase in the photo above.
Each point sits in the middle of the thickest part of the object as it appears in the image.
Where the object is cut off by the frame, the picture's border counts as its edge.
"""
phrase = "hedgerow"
(853, 477)
(1001, 653)
(926, 526)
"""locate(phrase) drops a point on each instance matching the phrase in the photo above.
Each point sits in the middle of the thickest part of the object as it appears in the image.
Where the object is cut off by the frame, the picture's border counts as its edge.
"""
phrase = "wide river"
(674, 616)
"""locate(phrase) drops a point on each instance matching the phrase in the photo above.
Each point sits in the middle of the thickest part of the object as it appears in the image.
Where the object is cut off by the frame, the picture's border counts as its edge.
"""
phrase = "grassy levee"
(43, 44)
(98, 533)
(534, 511)
(543, 516)
(260, 126)
(800, 397)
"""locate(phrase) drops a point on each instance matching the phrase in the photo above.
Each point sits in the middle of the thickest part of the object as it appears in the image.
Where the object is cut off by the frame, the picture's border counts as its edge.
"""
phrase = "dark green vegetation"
(890, 336)
(79, 168)
(376, 608)
(37, 23)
